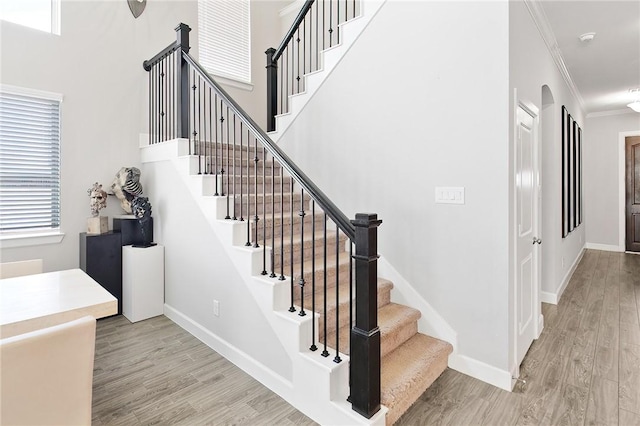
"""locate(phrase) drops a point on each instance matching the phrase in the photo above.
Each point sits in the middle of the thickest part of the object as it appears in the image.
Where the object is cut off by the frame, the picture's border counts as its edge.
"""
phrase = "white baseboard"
(549, 297)
(604, 247)
(239, 358)
(553, 298)
(481, 371)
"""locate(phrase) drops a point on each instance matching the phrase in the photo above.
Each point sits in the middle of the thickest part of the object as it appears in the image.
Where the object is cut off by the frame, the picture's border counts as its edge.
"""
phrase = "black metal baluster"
(215, 154)
(330, 23)
(172, 97)
(337, 21)
(199, 137)
(256, 218)
(162, 119)
(313, 276)
(301, 280)
(167, 110)
(234, 169)
(153, 103)
(150, 108)
(248, 243)
(346, 10)
(354, 8)
(264, 212)
(204, 128)
(273, 217)
(160, 111)
(337, 358)
(325, 352)
(192, 146)
(291, 308)
(223, 171)
(298, 61)
(323, 21)
(242, 175)
(281, 278)
(228, 186)
(212, 151)
(158, 121)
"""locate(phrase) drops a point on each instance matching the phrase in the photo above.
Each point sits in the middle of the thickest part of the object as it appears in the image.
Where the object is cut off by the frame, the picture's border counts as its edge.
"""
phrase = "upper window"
(29, 161)
(224, 38)
(43, 15)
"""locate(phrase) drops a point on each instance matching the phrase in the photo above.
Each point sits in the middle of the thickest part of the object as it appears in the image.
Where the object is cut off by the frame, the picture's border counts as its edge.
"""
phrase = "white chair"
(46, 376)
(18, 269)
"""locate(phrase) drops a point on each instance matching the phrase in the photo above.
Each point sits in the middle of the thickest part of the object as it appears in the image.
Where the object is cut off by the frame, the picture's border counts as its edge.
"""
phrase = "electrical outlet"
(216, 308)
(563, 262)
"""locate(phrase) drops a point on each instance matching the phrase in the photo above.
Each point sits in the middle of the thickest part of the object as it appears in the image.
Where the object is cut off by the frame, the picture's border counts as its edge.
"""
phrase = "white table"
(38, 301)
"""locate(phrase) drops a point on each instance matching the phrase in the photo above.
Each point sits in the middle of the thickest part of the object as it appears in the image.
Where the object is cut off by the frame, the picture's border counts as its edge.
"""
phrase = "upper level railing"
(329, 260)
(316, 28)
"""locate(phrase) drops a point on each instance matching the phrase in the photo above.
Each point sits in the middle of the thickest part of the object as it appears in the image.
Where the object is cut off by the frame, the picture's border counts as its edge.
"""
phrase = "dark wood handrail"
(157, 58)
(307, 184)
(293, 29)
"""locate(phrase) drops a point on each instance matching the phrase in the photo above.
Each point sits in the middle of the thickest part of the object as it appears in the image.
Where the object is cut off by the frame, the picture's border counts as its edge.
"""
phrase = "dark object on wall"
(101, 259)
(137, 7)
(571, 173)
(131, 231)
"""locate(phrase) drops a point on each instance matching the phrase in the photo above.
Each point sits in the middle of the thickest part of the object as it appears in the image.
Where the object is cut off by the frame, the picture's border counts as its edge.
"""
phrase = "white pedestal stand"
(142, 282)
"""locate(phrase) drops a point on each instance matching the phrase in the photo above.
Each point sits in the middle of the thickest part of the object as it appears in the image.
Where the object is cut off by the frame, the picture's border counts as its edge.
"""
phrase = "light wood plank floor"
(584, 369)
(155, 373)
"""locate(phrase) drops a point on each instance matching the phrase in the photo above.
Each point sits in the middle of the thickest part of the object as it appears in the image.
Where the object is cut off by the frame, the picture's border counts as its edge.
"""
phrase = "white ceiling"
(604, 69)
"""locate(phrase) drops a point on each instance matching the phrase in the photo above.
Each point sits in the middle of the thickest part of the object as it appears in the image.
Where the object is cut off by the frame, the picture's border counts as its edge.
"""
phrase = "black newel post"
(272, 90)
(365, 334)
(182, 33)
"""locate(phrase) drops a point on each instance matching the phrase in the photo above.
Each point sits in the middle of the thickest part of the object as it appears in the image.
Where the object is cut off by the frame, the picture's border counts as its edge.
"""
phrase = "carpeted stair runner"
(411, 361)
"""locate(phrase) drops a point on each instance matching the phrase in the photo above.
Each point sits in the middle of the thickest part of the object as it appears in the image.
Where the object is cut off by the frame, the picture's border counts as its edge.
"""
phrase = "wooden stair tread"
(409, 370)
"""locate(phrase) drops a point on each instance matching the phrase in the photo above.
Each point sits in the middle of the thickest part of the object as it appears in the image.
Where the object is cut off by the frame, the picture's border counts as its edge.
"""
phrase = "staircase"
(296, 257)
(410, 361)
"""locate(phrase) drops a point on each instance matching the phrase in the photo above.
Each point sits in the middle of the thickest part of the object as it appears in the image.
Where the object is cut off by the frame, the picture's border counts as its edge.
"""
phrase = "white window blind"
(224, 38)
(29, 163)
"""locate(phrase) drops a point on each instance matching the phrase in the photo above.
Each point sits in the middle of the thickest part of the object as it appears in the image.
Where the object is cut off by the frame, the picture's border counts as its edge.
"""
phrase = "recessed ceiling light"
(587, 37)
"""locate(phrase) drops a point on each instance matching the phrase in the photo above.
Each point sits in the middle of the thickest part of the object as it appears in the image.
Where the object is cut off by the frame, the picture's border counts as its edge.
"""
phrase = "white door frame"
(622, 184)
(534, 111)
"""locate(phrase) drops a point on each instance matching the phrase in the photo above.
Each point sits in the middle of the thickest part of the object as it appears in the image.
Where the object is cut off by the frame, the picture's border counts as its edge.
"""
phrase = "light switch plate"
(449, 195)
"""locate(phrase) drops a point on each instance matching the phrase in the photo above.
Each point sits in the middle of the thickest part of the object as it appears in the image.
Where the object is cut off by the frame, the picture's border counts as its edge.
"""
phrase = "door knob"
(537, 240)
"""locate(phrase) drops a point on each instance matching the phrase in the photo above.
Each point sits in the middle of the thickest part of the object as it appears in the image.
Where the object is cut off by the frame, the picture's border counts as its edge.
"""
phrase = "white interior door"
(527, 305)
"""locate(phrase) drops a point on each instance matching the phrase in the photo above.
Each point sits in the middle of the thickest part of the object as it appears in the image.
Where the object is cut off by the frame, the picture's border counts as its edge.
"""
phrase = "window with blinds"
(224, 38)
(29, 162)
(43, 15)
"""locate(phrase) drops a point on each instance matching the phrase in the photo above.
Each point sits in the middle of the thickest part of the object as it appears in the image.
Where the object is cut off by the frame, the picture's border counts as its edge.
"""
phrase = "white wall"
(419, 103)
(96, 63)
(532, 67)
(602, 151)
(198, 270)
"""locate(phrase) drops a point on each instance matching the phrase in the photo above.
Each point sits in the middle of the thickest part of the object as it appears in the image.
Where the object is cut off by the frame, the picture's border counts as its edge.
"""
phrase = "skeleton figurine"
(98, 199)
(126, 186)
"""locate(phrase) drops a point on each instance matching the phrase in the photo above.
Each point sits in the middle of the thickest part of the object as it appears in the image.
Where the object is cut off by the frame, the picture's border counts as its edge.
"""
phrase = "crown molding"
(542, 23)
(611, 112)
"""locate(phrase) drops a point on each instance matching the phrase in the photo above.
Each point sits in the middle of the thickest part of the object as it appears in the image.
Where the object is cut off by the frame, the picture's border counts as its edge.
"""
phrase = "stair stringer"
(319, 386)
(329, 59)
